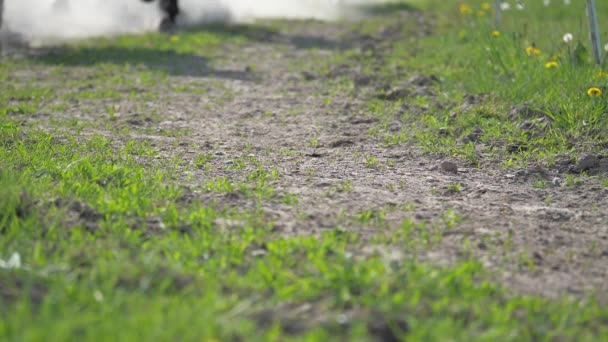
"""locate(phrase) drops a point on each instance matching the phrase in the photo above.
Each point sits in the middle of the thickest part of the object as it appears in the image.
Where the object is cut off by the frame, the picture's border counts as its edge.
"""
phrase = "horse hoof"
(166, 25)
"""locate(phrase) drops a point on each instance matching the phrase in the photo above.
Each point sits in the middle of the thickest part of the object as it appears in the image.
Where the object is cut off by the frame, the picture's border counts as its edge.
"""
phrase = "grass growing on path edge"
(116, 279)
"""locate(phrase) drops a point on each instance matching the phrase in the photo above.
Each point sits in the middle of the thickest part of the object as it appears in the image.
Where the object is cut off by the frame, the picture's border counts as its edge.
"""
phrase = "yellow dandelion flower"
(465, 9)
(481, 13)
(594, 91)
(551, 64)
(602, 74)
(174, 39)
(485, 6)
(495, 34)
(531, 50)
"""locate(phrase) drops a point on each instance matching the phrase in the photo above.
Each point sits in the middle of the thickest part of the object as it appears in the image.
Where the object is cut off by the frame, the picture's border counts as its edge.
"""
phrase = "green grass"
(111, 249)
(469, 60)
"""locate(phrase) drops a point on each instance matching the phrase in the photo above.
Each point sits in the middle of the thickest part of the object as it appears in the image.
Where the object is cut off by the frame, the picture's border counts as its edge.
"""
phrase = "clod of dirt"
(25, 206)
(418, 85)
(516, 147)
(474, 136)
(293, 320)
(309, 76)
(394, 94)
(387, 330)
(341, 143)
(361, 80)
(227, 224)
(537, 170)
(13, 287)
(151, 225)
(600, 169)
(85, 211)
(357, 120)
(538, 124)
(316, 154)
(449, 166)
(171, 280)
(524, 111)
(79, 213)
(585, 162)
(339, 70)
(561, 164)
(422, 91)
(470, 100)
(423, 81)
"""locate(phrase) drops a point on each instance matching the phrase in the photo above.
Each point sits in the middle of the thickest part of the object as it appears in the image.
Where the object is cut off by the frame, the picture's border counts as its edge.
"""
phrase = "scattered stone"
(449, 166)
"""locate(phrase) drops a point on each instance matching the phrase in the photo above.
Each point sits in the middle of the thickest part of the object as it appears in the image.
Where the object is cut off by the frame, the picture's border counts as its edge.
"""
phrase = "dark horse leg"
(170, 9)
(1, 12)
(1, 16)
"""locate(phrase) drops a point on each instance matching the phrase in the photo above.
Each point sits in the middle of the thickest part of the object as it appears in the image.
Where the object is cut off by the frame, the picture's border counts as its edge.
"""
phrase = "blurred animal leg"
(171, 10)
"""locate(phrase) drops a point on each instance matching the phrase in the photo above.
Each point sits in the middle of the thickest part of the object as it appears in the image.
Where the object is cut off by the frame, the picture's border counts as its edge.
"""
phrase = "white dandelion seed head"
(98, 296)
(519, 6)
(546, 2)
(606, 47)
(566, 2)
(13, 263)
(568, 37)
(505, 6)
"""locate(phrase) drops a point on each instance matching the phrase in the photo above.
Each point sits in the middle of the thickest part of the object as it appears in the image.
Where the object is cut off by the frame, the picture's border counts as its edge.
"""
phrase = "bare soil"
(549, 241)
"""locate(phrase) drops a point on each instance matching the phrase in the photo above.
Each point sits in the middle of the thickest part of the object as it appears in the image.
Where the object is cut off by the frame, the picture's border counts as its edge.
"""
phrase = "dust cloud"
(51, 21)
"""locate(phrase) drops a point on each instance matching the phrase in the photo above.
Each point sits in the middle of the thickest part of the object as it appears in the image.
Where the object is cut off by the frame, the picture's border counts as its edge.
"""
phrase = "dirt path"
(267, 105)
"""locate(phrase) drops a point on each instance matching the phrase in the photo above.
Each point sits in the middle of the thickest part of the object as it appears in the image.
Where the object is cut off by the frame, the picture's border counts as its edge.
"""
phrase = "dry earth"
(265, 102)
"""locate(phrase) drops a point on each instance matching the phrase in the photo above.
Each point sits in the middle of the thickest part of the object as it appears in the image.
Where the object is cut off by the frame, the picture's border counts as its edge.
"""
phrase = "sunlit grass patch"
(539, 57)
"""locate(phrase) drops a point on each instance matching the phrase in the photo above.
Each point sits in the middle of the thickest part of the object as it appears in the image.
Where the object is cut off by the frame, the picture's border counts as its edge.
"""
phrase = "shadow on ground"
(172, 62)
(387, 8)
(256, 33)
